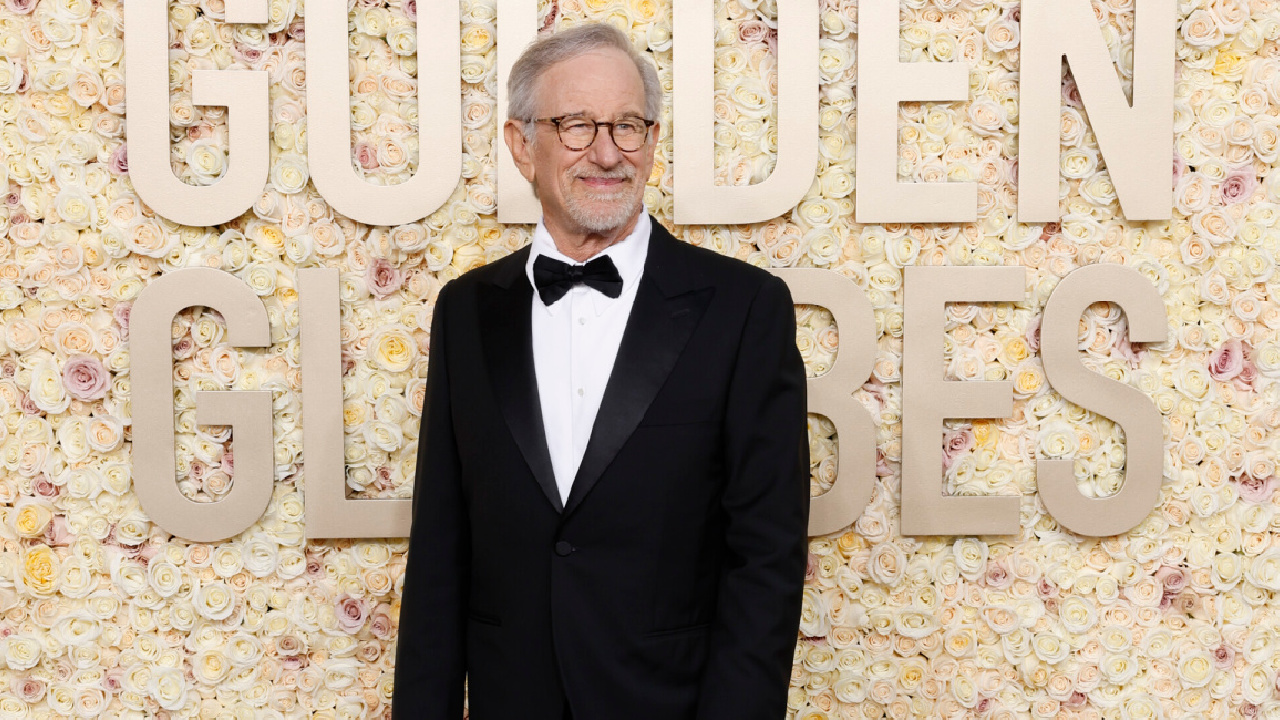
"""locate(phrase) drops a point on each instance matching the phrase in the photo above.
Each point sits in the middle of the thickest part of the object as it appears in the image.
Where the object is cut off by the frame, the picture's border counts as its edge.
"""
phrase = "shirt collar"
(628, 255)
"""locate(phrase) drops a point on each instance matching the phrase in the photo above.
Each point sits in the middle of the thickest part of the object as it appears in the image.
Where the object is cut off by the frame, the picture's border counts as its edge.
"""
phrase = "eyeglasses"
(577, 132)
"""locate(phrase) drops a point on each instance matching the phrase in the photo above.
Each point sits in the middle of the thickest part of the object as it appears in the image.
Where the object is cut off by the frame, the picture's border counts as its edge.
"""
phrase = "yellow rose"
(40, 571)
(392, 348)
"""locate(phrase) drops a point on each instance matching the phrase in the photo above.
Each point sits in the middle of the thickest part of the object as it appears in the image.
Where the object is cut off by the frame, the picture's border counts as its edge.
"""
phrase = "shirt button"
(563, 548)
(582, 321)
(579, 392)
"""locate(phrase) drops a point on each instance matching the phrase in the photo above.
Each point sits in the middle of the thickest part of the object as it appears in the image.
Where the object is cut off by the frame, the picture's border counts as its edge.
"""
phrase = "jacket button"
(564, 548)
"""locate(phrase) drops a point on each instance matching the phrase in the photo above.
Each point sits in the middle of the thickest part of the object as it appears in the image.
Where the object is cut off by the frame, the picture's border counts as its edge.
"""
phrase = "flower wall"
(102, 612)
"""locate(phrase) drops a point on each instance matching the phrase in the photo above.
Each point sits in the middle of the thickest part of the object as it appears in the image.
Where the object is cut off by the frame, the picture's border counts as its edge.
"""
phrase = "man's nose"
(603, 151)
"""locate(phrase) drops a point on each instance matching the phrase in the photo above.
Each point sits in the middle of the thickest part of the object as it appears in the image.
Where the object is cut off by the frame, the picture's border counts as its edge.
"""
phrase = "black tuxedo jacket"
(668, 586)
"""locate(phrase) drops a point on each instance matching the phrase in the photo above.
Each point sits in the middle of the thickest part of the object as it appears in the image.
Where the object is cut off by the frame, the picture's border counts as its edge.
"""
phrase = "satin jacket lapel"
(668, 305)
(508, 349)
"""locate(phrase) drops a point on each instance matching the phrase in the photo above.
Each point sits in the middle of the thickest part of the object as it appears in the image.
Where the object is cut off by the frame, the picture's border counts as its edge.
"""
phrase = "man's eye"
(628, 127)
(578, 127)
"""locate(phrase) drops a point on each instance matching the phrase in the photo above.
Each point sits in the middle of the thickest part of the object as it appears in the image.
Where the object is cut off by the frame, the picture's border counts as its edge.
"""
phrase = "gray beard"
(615, 214)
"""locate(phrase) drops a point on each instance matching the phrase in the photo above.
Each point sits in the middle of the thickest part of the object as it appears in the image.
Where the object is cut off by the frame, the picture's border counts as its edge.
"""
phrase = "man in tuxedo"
(612, 493)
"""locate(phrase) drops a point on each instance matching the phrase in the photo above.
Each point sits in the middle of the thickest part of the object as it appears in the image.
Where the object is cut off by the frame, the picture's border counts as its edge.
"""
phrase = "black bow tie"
(553, 278)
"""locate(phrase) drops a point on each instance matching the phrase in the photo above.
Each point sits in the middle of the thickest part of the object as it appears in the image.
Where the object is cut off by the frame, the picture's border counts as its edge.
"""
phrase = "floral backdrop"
(103, 613)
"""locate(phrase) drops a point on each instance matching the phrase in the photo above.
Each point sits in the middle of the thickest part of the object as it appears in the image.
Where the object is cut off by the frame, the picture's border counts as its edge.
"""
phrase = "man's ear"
(521, 153)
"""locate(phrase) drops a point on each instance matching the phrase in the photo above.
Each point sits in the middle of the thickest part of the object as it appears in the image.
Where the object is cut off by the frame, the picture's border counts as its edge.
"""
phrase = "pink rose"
(1179, 167)
(1032, 334)
(315, 567)
(147, 552)
(753, 31)
(119, 162)
(121, 314)
(1227, 361)
(1223, 657)
(288, 646)
(366, 155)
(27, 405)
(21, 7)
(85, 378)
(956, 443)
(997, 576)
(380, 622)
(1257, 490)
(410, 9)
(1046, 589)
(113, 680)
(352, 612)
(383, 278)
(43, 486)
(369, 651)
(1248, 371)
(28, 689)
(1174, 579)
(1237, 186)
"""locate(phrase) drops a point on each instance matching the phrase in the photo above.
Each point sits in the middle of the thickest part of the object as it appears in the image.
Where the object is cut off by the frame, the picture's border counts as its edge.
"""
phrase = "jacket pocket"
(484, 618)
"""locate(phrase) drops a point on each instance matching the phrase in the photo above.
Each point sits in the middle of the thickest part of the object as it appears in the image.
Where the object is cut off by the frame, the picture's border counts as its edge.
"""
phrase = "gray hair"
(566, 44)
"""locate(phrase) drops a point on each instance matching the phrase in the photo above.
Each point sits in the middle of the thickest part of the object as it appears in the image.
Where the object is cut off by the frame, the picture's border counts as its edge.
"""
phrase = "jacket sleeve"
(766, 504)
(431, 645)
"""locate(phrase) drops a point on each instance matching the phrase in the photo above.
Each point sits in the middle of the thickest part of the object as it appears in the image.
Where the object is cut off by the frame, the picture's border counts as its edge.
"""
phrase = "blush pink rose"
(1174, 579)
(383, 278)
(956, 443)
(119, 161)
(1032, 334)
(1227, 361)
(28, 689)
(85, 378)
(43, 486)
(352, 612)
(753, 31)
(366, 155)
(1256, 490)
(380, 622)
(20, 7)
(997, 575)
(1223, 657)
(121, 313)
(1237, 186)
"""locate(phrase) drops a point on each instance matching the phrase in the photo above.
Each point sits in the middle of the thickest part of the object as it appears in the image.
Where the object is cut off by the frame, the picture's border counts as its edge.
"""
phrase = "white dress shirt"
(575, 341)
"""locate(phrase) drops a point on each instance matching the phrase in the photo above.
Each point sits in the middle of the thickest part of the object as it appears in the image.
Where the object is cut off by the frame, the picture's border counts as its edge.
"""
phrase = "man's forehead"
(599, 80)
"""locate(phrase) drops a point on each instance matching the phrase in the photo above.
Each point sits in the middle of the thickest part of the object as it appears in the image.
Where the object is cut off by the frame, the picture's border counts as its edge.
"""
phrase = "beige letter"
(1127, 406)
(698, 200)
(330, 513)
(1135, 140)
(831, 394)
(927, 400)
(439, 117)
(517, 27)
(883, 82)
(243, 92)
(248, 412)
